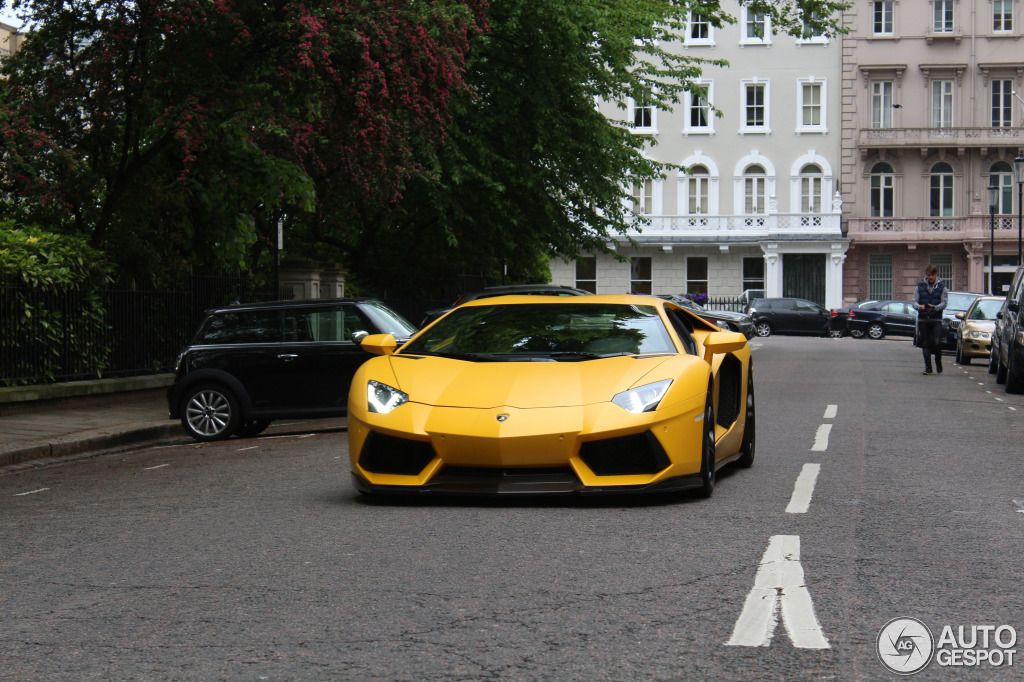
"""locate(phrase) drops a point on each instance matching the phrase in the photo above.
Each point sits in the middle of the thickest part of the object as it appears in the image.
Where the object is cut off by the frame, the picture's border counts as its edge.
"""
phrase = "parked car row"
(877, 319)
(1006, 360)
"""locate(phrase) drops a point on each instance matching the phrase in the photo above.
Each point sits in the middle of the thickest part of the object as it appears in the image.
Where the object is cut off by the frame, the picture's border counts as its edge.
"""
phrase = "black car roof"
(294, 303)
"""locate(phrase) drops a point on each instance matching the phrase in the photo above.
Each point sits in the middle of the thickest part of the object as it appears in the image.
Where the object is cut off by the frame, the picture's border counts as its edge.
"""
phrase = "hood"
(727, 315)
(459, 383)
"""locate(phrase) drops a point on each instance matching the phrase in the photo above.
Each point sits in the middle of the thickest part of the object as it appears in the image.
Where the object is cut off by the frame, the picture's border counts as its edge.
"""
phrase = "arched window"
(941, 202)
(697, 190)
(811, 179)
(1001, 176)
(883, 191)
(754, 190)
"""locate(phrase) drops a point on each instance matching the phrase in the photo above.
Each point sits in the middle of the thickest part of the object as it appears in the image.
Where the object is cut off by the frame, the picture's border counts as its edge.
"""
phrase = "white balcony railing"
(931, 228)
(768, 225)
(939, 137)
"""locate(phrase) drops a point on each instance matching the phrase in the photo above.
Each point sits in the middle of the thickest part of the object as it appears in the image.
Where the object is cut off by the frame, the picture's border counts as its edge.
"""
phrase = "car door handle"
(287, 357)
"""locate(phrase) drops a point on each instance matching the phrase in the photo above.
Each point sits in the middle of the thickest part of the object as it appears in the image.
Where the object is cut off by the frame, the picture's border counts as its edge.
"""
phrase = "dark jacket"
(935, 297)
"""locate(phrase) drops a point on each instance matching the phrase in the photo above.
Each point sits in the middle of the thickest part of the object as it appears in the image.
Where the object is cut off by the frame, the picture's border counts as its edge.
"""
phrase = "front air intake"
(389, 455)
(640, 453)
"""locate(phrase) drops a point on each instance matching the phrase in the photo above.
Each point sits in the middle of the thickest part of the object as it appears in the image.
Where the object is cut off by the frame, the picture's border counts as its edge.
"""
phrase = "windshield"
(986, 310)
(387, 320)
(960, 301)
(556, 331)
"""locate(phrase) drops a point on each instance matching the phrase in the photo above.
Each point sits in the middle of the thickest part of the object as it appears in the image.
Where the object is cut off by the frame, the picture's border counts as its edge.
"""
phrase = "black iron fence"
(49, 335)
(725, 303)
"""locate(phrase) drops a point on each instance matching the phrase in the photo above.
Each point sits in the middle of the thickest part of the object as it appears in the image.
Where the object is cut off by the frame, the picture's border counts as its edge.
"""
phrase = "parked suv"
(788, 316)
(1007, 358)
(250, 364)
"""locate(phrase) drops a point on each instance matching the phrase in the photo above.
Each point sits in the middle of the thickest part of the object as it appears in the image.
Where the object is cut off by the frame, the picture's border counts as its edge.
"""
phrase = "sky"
(7, 15)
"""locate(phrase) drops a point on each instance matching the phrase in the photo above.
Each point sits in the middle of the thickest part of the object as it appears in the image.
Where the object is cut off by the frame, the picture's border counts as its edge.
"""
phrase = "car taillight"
(853, 315)
(835, 313)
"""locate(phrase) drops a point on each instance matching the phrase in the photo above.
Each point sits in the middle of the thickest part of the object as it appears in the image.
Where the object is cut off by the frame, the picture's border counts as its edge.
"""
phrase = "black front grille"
(389, 455)
(640, 453)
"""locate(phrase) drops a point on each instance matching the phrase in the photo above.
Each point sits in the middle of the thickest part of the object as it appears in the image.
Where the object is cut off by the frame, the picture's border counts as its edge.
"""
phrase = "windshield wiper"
(582, 355)
(472, 357)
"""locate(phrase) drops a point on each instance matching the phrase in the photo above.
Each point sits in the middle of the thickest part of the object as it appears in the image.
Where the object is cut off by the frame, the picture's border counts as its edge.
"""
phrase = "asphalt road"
(255, 559)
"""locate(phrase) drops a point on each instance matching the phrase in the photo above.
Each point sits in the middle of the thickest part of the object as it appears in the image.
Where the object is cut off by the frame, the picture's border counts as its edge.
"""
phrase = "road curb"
(60, 448)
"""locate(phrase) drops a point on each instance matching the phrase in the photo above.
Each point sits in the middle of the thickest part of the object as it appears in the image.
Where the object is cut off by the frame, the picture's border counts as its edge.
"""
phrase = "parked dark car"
(957, 302)
(1007, 358)
(506, 290)
(251, 363)
(788, 316)
(837, 323)
(723, 319)
(882, 318)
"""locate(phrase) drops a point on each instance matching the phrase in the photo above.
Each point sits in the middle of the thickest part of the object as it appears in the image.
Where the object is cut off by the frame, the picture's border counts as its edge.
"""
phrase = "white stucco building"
(759, 207)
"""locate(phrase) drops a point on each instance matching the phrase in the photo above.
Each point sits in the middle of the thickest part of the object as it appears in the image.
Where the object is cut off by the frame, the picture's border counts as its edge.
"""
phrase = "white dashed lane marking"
(800, 501)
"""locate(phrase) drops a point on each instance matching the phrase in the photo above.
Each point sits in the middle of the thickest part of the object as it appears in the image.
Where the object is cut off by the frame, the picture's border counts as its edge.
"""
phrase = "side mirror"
(357, 337)
(960, 316)
(379, 344)
(722, 342)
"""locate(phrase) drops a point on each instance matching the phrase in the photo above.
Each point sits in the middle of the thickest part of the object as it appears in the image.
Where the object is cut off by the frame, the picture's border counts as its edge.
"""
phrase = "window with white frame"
(699, 117)
(942, 16)
(642, 117)
(699, 30)
(643, 196)
(755, 190)
(811, 106)
(883, 191)
(881, 104)
(942, 103)
(1002, 102)
(698, 189)
(1001, 176)
(640, 275)
(1002, 15)
(943, 262)
(882, 24)
(808, 33)
(755, 107)
(753, 273)
(812, 181)
(697, 275)
(586, 274)
(755, 28)
(880, 276)
(941, 194)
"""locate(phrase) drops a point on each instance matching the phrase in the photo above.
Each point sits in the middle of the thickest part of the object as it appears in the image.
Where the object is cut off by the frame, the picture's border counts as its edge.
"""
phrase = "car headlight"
(975, 335)
(642, 398)
(382, 399)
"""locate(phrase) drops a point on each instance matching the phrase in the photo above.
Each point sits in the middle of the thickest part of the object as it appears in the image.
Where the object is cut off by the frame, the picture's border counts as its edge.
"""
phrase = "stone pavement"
(42, 423)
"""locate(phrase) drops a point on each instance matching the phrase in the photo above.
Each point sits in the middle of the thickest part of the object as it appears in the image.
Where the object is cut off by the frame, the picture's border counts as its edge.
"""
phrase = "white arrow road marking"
(821, 438)
(779, 588)
(830, 412)
(804, 488)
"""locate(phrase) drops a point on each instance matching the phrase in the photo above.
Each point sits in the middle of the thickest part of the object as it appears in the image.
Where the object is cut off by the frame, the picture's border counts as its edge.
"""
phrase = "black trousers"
(930, 338)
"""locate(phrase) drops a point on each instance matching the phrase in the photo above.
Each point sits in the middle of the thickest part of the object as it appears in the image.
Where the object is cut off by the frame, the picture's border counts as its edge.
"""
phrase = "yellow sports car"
(538, 395)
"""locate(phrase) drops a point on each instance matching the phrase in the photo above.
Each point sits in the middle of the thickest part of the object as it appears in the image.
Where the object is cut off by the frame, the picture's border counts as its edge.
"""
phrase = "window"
(643, 117)
(1001, 176)
(643, 196)
(753, 273)
(812, 112)
(755, 107)
(586, 274)
(881, 104)
(941, 203)
(257, 326)
(697, 186)
(697, 275)
(1002, 103)
(943, 262)
(942, 104)
(942, 16)
(754, 190)
(699, 30)
(756, 28)
(808, 34)
(883, 17)
(880, 276)
(1002, 15)
(811, 180)
(699, 118)
(640, 275)
(883, 182)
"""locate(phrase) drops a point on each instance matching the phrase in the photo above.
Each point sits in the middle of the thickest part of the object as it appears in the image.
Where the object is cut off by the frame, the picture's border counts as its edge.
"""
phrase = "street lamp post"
(1018, 175)
(993, 199)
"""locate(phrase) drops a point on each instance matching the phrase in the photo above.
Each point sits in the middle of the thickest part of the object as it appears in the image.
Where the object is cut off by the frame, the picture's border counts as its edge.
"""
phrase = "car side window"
(806, 306)
(324, 325)
(246, 326)
(684, 329)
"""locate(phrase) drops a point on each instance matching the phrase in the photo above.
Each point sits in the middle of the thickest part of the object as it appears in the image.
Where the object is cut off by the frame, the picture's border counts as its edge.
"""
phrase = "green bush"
(52, 311)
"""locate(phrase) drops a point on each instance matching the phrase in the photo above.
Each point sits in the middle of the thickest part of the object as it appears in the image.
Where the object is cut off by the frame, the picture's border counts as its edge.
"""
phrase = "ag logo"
(905, 646)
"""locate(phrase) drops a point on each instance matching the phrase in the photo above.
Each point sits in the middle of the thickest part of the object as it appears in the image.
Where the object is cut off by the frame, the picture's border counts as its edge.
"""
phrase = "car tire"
(1000, 372)
(763, 329)
(210, 412)
(876, 331)
(857, 333)
(960, 358)
(707, 449)
(992, 361)
(252, 427)
(749, 442)
(835, 333)
(1014, 382)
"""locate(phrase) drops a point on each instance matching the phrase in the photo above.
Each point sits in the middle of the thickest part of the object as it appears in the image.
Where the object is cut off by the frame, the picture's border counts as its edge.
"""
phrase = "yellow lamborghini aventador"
(544, 395)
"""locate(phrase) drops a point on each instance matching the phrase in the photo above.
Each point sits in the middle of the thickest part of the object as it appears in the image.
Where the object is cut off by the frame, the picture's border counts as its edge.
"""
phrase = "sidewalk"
(48, 422)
